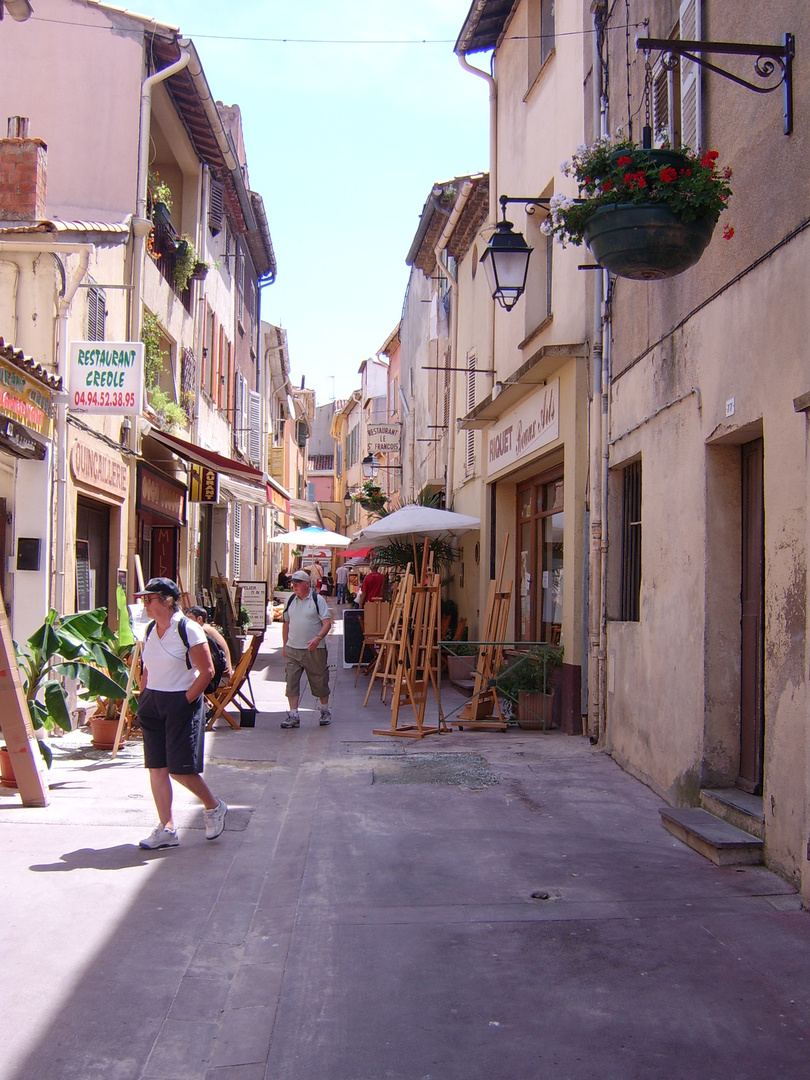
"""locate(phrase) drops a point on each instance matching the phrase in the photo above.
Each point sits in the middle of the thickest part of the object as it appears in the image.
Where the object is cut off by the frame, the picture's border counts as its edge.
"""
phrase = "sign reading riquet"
(534, 423)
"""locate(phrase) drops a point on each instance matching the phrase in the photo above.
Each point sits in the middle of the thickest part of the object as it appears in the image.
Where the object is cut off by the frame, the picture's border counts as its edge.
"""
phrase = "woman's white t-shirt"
(165, 657)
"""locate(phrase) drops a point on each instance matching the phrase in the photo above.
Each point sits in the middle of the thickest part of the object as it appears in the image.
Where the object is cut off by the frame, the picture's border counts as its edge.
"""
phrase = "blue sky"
(344, 142)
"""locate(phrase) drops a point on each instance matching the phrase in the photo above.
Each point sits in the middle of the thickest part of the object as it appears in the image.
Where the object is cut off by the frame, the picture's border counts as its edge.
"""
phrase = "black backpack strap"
(149, 630)
(183, 632)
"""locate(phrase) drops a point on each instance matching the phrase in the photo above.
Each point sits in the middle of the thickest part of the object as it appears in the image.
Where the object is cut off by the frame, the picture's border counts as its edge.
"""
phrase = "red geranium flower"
(668, 175)
(624, 161)
(728, 232)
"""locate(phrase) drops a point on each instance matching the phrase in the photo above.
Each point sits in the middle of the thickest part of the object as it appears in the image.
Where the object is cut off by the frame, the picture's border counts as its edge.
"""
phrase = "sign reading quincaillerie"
(534, 423)
(106, 376)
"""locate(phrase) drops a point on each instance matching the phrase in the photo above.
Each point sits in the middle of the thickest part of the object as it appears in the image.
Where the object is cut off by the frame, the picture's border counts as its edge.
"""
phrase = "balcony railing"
(163, 248)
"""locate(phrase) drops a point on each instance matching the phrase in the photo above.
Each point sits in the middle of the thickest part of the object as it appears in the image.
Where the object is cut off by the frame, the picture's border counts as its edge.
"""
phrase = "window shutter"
(237, 539)
(662, 121)
(216, 207)
(469, 448)
(691, 98)
(96, 313)
(255, 444)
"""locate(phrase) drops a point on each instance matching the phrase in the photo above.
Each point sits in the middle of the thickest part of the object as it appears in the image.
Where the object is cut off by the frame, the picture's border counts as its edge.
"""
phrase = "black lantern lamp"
(370, 466)
(506, 264)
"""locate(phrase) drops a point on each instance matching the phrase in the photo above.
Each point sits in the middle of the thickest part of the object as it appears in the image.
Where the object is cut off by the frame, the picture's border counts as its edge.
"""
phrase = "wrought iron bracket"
(531, 204)
(768, 58)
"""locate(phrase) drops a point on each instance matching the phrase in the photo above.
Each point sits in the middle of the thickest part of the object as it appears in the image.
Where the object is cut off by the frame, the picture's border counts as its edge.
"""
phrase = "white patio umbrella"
(311, 536)
(414, 522)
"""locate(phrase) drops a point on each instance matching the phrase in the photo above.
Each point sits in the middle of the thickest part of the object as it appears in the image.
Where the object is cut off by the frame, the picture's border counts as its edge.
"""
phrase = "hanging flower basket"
(646, 242)
(200, 271)
(645, 214)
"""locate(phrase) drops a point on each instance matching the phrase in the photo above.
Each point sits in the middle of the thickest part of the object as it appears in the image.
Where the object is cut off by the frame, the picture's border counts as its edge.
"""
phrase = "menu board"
(254, 601)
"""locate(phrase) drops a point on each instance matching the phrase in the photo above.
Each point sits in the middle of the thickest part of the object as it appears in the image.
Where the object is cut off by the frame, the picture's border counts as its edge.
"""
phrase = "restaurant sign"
(534, 423)
(383, 438)
(106, 376)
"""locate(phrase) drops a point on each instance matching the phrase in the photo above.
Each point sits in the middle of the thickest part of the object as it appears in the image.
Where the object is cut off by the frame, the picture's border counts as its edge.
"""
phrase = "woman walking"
(177, 666)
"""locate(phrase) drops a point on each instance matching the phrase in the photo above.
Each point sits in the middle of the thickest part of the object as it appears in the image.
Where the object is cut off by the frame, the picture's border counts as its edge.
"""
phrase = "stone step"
(724, 844)
(737, 808)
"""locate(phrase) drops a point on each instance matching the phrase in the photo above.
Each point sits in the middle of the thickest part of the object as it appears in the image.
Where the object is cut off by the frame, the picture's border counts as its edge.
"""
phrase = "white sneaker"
(326, 718)
(215, 820)
(160, 837)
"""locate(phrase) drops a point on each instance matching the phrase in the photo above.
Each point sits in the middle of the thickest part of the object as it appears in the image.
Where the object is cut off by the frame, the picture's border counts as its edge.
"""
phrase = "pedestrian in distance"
(171, 711)
(306, 623)
(341, 581)
(373, 585)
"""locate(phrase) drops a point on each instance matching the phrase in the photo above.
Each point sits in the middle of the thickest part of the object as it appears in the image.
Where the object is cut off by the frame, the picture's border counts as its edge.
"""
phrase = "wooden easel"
(224, 598)
(15, 724)
(417, 658)
(124, 719)
(386, 661)
(478, 711)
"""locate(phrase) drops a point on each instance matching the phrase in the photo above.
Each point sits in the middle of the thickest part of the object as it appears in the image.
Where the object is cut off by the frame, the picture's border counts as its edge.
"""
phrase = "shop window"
(631, 542)
(92, 554)
(539, 571)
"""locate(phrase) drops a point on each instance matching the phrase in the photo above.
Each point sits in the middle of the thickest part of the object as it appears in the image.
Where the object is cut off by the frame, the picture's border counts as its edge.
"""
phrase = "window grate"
(631, 543)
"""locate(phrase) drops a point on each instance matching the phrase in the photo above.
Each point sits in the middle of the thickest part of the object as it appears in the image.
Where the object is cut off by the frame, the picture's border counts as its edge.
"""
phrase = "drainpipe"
(493, 132)
(467, 189)
(61, 346)
(597, 680)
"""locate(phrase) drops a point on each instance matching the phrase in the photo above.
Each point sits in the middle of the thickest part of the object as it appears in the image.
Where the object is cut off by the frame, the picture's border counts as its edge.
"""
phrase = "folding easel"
(478, 711)
(386, 661)
(417, 659)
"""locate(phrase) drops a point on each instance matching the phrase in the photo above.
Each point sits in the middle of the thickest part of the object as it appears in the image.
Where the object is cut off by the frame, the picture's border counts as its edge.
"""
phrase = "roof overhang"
(485, 25)
(535, 372)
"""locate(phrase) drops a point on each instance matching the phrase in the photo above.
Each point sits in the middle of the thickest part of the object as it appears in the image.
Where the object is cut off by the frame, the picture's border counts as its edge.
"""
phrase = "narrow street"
(476, 905)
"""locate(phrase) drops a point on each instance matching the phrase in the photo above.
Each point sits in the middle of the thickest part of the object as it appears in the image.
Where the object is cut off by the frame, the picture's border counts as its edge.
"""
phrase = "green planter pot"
(646, 242)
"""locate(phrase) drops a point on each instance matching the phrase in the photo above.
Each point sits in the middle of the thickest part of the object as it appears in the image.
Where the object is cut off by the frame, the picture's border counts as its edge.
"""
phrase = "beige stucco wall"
(70, 69)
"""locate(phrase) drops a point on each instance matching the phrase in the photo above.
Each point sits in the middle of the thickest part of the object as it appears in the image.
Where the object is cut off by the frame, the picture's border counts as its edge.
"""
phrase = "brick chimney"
(23, 173)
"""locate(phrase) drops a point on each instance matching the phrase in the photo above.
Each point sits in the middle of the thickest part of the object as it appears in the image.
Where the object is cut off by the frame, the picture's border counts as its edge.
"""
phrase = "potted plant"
(644, 213)
(159, 197)
(527, 684)
(370, 496)
(200, 271)
(461, 661)
(74, 647)
(185, 261)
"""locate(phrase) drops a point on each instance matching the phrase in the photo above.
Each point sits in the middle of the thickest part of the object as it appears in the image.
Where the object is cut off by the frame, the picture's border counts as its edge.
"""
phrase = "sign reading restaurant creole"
(26, 401)
(534, 423)
(106, 376)
(383, 438)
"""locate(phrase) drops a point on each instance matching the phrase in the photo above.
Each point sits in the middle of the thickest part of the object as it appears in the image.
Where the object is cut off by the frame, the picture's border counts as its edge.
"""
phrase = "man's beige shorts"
(314, 663)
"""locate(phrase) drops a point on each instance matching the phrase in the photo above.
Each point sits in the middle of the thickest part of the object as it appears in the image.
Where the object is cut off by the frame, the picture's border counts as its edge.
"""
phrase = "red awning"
(189, 452)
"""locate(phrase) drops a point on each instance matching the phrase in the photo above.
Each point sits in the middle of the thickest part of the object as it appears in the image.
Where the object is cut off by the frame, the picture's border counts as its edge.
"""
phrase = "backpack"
(313, 592)
(216, 650)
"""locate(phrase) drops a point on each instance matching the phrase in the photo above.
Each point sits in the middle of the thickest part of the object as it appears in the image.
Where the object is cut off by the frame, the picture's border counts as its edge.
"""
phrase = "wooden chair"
(373, 621)
(225, 693)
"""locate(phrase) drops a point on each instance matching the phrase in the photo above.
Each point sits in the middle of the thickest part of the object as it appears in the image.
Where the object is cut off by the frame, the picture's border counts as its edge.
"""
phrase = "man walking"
(342, 580)
(306, 623)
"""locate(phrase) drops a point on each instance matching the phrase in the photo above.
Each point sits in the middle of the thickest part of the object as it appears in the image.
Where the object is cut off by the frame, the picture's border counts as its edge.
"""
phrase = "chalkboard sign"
(83, 597)
(353, 638)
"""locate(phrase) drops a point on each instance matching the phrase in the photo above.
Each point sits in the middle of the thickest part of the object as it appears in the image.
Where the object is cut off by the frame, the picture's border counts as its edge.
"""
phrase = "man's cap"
(160, 586)
(300, 575)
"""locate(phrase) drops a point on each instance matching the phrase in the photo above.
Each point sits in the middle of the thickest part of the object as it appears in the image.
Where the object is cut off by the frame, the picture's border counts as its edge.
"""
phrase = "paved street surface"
(474, 906)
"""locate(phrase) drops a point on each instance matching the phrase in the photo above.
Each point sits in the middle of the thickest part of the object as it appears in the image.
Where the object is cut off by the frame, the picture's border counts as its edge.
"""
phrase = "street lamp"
(506, 264)
(371, 467)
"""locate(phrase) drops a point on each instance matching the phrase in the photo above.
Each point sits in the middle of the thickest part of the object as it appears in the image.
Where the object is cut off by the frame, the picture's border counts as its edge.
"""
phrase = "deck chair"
(237, 686)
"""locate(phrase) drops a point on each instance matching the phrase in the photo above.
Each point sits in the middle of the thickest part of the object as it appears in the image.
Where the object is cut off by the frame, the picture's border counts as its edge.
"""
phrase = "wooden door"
(752, 596)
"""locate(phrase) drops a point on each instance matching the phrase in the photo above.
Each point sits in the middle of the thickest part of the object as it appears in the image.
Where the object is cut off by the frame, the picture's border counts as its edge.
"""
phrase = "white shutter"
(691, 98)
(255, 434)
(244, 417)
(237, 540)
(238, 433)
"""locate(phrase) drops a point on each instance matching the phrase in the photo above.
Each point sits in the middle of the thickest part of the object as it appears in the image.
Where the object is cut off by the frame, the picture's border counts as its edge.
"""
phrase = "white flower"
(546, 226)
(566, 167)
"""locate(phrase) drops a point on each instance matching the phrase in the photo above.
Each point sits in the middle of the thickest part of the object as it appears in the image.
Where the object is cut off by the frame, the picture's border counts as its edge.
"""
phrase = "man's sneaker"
(160, 837)
(326, 718)
(292, 720)
(215, 820)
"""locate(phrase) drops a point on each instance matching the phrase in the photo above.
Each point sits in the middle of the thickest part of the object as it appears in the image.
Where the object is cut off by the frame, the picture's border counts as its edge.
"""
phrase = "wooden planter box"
(534, 710)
